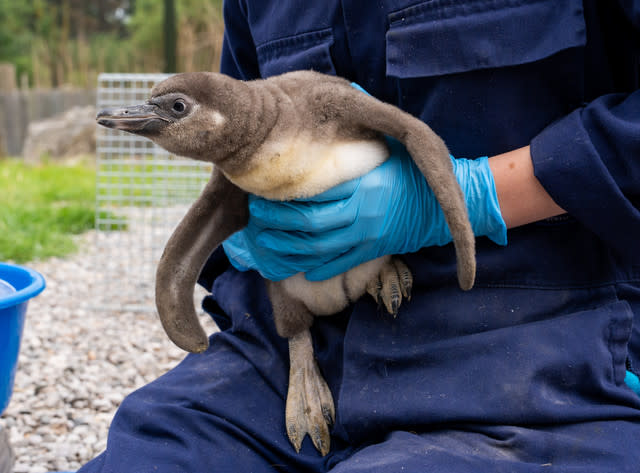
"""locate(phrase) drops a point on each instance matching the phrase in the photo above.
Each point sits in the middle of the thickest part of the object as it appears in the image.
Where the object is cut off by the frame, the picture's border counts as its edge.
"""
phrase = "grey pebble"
(77, 363)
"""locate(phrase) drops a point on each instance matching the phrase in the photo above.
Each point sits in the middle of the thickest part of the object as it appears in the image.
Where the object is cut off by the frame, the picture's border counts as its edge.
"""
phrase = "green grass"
(41, 207)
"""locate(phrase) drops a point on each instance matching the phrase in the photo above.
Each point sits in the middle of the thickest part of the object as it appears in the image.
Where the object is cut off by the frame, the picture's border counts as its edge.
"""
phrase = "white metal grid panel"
(142, 192)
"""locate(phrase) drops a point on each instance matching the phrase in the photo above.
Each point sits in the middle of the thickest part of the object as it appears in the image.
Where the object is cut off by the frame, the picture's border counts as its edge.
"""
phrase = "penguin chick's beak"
(140, 119)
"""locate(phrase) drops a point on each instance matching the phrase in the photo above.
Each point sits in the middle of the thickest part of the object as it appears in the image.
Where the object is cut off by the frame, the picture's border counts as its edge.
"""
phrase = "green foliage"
(145, 28)
(15, 35)
(55, 42)
(199, 33)
(41, 207)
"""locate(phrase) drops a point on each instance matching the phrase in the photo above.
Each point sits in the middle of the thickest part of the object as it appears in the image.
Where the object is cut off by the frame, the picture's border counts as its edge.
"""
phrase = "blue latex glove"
(390, 210)
(633, 382)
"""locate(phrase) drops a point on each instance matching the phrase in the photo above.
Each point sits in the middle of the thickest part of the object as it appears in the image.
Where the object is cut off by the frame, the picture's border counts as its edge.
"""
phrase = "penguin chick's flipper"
(221, 210)
(432, 158)
(427, 149)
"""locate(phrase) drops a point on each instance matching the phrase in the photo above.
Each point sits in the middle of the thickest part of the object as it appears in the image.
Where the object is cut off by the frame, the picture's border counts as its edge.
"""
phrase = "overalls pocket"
(421, 371)
(486, 58)
(442, 37)
(303, 51)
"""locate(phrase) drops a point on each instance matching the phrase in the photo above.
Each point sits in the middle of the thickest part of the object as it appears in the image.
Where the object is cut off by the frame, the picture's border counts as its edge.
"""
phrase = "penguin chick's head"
(197, 115)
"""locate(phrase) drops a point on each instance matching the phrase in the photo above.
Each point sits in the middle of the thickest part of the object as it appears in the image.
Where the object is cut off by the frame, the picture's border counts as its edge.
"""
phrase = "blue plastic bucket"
(17, 285)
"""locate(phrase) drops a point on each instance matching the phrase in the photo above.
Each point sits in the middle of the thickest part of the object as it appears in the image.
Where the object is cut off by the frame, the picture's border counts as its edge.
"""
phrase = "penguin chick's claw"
(309, 407)
(392, 284)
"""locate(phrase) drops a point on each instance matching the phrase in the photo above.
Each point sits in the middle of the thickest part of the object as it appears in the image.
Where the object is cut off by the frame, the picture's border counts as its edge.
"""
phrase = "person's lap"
(585, 447)
(219, 412)
(224, 410)
(214, 412)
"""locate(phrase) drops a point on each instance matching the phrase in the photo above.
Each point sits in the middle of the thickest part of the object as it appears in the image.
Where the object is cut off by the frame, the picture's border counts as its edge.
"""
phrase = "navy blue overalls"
(524, 373)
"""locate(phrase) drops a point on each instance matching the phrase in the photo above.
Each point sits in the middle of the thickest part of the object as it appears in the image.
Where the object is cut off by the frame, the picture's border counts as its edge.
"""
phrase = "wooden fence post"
(7, 84)
(7, 77)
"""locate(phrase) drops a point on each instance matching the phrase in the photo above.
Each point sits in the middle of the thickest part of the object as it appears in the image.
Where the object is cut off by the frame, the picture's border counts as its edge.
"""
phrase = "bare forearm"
(521, 197)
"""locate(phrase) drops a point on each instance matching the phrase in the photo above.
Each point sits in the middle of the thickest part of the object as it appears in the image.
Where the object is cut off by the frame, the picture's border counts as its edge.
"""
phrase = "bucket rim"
(35, 287)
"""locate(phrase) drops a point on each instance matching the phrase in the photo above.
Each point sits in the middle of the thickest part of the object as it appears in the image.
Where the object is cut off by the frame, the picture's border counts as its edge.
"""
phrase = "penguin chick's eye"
(179, 106)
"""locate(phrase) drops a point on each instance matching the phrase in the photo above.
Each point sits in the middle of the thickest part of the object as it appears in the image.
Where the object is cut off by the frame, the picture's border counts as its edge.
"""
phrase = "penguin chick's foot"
(309, 407)
(393, 282)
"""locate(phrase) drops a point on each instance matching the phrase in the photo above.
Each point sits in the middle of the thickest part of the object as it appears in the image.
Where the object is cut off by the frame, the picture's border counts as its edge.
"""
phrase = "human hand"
(390, 210)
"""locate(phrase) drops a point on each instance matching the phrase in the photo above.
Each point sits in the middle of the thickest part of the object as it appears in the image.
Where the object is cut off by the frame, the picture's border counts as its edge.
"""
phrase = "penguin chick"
(286, 137)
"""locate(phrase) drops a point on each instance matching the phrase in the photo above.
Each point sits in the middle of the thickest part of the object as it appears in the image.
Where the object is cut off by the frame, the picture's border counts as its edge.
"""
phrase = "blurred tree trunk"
(65, 59)
(170, 36)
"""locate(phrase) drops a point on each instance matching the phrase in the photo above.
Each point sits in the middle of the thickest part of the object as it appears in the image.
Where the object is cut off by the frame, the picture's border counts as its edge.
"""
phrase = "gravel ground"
(77, 364)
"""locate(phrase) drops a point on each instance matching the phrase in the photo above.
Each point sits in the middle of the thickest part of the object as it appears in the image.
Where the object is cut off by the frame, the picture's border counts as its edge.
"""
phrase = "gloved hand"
(390, 210)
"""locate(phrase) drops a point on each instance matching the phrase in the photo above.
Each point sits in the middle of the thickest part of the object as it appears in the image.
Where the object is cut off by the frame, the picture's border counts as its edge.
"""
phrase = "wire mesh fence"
(142, 192)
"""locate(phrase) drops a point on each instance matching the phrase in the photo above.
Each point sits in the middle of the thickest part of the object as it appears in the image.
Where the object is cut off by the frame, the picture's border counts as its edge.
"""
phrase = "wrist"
(521, 196)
